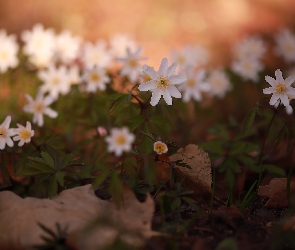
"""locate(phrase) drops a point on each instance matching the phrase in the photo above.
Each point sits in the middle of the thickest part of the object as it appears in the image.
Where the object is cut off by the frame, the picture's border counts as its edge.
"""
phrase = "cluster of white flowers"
(247, 58)
(23, 134)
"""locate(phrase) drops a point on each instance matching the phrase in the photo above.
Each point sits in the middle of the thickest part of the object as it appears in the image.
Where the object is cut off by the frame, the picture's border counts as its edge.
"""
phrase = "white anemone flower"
(248, 68)
(39, 107)
(220, 83)
(120, 140)
(23, 134)
(55, 81)
(39, 45)
(250, 47)
(67, 46)
(8, 51)
(280, 89)
(96, 55)
(285, 45)
(162, 82)
(132, 66)
(6, 133)
(95, 78)
(194, 86)
(119, 43)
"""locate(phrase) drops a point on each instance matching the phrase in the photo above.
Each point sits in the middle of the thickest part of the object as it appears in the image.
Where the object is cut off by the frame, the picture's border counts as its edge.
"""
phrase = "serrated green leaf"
(59, 176)
(42, 169)
(48, 159)
(65, 161)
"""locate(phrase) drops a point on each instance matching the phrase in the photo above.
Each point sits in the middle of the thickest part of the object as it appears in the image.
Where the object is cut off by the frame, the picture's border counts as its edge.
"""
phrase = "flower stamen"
(280, 88)
(163, 83)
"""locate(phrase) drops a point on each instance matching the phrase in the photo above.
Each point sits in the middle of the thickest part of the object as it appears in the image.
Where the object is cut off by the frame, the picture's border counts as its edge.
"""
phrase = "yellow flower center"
(160, 148)
(190, 82)
(132, 63)
(3, 55)
(55, 81)
(25, 134)
(39, 107)
(280, 88)
(94, 77)
(163, 83)
(120, 139)
(2, 132)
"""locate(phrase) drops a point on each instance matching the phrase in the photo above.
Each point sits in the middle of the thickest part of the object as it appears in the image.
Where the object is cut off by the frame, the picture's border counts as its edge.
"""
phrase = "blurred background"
(158, 25)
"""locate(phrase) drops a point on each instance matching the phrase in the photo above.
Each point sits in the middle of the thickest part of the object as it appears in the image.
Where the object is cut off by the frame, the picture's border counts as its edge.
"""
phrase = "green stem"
(263, 146)
(213, 189)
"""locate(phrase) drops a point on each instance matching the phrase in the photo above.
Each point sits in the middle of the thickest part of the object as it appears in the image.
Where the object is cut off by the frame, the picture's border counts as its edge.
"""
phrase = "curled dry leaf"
(92, 223)
(276, 191)
(199, 177)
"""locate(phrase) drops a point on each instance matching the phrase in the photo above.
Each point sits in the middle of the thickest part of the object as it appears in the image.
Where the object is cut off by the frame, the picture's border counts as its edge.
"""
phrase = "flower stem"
(263, 146)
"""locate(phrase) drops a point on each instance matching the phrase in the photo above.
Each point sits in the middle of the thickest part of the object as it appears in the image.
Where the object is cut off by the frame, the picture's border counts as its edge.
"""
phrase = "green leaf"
(100, 178)
(274, 170)
(279, 138)
(248, 122)
(129, 164)
(59, 176)
(119, 102)
(65, 161)
(136, 121)
(52, 187)
(48, 159)
(41, 169)
(219, 130)
(116, 189)
(230, 177)
(228, 244)
(175, 204)
(237, 147)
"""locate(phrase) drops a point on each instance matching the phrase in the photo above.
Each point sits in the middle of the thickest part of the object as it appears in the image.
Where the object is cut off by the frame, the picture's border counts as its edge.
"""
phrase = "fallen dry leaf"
(199, 178)
(276, 191)
(81, 211)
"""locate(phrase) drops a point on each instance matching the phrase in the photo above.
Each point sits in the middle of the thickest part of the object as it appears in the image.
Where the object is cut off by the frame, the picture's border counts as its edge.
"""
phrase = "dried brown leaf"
(199, 177)
(276, 191)
(79, 209)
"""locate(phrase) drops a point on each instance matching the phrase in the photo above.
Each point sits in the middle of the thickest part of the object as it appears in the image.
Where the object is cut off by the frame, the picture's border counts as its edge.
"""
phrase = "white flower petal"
(289, 80)
(279, 75)
(177, 79)
(167, 97)
(6, 122)
(273, 99)
(150, 71)
(269, 90)
(171, 69)
(9, 142)
(147, 86)
(270, 80)
(50, 112)
(2, 143)
(285, 100)
(163, 67)
(174, 92)
(156, 96)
